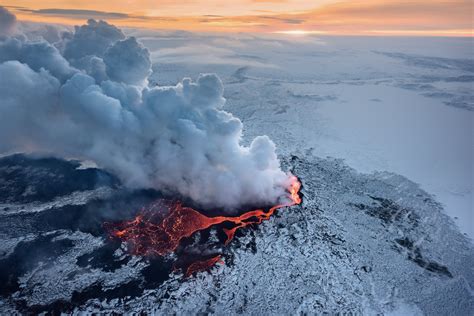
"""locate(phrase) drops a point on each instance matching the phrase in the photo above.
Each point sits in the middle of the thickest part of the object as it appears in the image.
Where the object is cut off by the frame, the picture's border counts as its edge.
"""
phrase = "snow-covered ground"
(360, 244)
(404, 105)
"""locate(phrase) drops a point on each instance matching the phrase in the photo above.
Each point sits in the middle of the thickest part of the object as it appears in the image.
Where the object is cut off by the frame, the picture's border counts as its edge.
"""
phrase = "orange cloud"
(269, 1)
(394, 17)
(366, 17)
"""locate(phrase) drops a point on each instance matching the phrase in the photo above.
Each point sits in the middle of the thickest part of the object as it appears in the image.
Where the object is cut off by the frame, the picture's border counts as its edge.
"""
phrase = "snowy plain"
(403, 105)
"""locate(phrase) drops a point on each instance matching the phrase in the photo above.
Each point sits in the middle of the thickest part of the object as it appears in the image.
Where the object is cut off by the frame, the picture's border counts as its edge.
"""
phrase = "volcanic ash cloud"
(87, 96)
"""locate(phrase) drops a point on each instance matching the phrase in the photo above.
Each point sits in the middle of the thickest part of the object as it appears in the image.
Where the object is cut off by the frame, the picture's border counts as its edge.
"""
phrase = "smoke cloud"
(87, 97)
(7, 21)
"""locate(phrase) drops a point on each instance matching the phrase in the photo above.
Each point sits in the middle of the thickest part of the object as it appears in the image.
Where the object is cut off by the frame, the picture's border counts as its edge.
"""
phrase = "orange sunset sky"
(366, 17)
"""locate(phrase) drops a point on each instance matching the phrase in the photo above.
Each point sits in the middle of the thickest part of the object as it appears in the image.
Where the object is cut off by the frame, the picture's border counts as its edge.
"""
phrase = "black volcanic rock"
(25, 179)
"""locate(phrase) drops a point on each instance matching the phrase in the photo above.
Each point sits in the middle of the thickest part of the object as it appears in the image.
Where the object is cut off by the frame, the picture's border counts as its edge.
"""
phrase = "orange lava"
(148, 234)
(202, 265)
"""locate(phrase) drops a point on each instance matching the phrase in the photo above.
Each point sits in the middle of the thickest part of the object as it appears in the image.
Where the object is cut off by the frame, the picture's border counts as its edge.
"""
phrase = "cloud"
(20, 110)
(38, 55)
(176, 139)
(92, 39)
(337, 17)
(35, 31)
(205, 54)
(7, 21)
(78, 14)
(368, 15)
(82, 14)
(128, 61)
(284, 20)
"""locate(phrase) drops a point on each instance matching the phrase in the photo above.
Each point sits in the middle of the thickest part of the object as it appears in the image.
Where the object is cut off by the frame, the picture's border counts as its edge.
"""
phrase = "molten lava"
(150, 233)
(202, 265)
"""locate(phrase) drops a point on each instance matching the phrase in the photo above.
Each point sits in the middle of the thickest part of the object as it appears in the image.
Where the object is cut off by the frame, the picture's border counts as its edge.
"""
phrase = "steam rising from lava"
(86, 96)
(159, 229)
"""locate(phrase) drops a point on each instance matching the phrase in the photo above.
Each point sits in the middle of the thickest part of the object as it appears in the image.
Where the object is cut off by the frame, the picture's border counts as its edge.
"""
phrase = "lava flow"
(150, 234)
(202, 265)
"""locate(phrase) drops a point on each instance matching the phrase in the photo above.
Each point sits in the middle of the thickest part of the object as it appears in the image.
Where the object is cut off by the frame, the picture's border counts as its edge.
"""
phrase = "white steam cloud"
(87, 97)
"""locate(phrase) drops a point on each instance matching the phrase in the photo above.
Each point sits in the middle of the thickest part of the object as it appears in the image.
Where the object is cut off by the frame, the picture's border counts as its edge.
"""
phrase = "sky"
(297, 17)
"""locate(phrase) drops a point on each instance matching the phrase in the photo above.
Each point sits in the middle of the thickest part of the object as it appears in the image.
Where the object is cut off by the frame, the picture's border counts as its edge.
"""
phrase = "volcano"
(159, 228)
(146, 172)
(353, 230)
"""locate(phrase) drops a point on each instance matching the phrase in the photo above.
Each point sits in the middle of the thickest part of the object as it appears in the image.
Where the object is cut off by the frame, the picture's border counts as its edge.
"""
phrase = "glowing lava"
(202, 265)
(150, 234)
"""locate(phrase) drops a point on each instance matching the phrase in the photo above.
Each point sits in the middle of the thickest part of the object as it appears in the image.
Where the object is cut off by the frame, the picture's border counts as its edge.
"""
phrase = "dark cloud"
(128, 61)
(90, 14)
(92, 39)
(79, 14)
(38, 55)
(283, 19)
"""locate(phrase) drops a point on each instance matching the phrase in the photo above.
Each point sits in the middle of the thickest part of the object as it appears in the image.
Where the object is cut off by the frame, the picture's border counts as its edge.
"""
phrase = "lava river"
(151, 233)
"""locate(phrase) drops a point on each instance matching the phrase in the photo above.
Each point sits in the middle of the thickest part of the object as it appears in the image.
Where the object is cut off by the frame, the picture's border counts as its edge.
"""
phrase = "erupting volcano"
(152, 233)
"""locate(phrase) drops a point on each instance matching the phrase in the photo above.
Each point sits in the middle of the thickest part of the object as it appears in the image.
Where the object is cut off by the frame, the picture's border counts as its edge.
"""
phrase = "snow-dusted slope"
(359, 243)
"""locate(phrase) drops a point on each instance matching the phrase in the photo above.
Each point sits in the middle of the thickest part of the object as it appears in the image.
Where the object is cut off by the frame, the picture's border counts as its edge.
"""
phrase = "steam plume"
(7, 21)
(89, 99)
